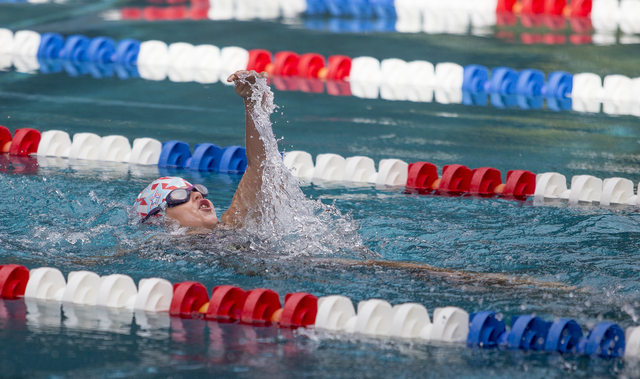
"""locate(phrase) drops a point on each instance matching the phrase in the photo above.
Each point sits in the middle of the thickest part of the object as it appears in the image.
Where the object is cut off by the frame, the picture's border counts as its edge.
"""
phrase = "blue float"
(206, 157)
(384, 10)
(564, 336)
(529, 102)
(75, 68)
(234, 159)
(75, 48)
(475, 78)
(316, 7)
(557, 105)
(559, 85)
(474, 98)
(174, 154)
(99, 70)
(485, 329)
(503, 101)
(530, 83)
(359, 8)
(605, 340)
(50, 66)
(50, 45)
(527, 333)
(503, 81)
(126, 71)
(337, 8)
(100, 49)
(126, 52)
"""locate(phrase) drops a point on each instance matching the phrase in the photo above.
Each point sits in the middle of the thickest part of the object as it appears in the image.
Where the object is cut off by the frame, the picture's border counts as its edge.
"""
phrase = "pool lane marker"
(417, 178)
(375, 318)
(390, 79)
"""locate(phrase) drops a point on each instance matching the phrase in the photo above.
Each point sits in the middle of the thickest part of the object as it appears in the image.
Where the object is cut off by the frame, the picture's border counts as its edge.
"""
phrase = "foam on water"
(284, 220)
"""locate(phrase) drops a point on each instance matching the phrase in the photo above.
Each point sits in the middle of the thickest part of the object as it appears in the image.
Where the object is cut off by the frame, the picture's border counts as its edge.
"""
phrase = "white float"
(6, 41)
(181, 54)
(53, 143)
(586, 86)
(365, 69)
(334, 312)
(549, 185)
(154, 295)
(605, 16)
(145, 151)
(409, 320)
(232, 59)
(632, 342)
(84, 146)
(45, 283)
(329, 167)
(82, 288)
(207, 57)
(630, 16)
(26, 43)
(300, 163)
(617, 191)
(449, 75)
(392, 172)
(450, 324)
(114, 149)
(617, 88)
(153, 53)
(117, 291)
(374, 318)
(584, 188)
(360, 170)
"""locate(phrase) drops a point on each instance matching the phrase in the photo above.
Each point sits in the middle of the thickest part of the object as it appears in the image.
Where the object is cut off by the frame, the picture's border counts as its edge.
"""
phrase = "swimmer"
(185, 204)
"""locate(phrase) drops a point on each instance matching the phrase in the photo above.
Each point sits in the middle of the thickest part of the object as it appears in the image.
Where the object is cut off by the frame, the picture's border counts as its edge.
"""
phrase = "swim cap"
(156, 193)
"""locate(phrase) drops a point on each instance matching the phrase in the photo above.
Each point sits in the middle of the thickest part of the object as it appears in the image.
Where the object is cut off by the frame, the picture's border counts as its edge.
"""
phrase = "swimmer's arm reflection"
(245, 197)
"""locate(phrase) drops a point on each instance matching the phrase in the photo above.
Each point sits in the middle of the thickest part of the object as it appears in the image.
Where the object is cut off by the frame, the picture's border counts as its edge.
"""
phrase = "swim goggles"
(176, 197)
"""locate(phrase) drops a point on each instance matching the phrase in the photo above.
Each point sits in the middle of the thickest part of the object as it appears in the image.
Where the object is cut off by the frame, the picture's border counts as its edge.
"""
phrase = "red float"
(153, 13)
(177, 12)
(188, 298)
(310, 64)
(258, 60)
(310, 85)
(581, 25)
(554, 7)
(555, 22)
(422, 175)
(520, 184)
(338, 88)
(533, 6)
(25, 142)
(531, 21)
(456, 179)
(5, 139)
(505, 6)
(13, 281)
(580, 39)
(484, 181)
(286, 63)
(226, 302)
(300, 309)
(260, 305)
(339, 67)
(581, 8)
(131, 13)
(283, 83)
(506, 19)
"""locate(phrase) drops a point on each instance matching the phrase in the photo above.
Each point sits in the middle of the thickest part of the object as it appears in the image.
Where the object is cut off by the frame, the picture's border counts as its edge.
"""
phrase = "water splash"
(284, 220)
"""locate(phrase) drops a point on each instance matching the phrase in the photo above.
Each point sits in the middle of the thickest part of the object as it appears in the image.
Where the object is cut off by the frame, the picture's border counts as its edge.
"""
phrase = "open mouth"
(205, 205)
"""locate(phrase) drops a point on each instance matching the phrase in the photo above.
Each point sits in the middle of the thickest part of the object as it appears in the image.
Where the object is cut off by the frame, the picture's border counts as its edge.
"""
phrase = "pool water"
(76, 215)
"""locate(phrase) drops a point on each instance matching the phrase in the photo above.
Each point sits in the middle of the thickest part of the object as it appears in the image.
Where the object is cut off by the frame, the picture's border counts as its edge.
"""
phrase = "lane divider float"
(375, 318)
(365, 77)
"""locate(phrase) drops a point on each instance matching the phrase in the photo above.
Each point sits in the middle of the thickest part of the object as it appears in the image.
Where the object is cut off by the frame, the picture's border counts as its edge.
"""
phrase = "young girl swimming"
(184, 203)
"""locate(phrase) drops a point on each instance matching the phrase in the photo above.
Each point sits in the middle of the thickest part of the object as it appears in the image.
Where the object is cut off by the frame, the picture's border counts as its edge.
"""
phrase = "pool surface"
(77, 215)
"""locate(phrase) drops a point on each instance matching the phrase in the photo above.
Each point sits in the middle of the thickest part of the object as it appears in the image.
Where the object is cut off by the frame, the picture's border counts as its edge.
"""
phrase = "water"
(283, 219)
(76, 215)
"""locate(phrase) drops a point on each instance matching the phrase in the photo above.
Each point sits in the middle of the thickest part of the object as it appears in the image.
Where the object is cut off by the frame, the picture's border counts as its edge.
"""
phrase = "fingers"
(251, 78)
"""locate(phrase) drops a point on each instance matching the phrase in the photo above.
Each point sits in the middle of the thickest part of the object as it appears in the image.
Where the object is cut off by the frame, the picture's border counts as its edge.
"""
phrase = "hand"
(244, 89)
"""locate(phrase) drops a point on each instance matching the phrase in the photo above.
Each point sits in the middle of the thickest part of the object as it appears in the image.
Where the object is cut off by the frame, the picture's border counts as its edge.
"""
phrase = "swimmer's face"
(198, 212)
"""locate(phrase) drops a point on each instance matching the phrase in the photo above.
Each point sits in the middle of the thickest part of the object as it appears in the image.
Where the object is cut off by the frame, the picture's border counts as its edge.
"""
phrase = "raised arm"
(246, 195)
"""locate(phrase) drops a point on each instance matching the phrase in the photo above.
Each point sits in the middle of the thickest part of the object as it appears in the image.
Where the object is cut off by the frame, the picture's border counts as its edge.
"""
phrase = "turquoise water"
(76, 215)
